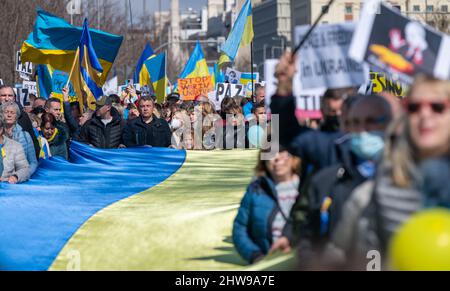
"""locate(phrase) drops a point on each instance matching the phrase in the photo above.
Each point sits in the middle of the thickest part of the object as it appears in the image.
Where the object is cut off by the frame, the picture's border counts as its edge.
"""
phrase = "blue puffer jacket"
(252, 228)
(24, 138)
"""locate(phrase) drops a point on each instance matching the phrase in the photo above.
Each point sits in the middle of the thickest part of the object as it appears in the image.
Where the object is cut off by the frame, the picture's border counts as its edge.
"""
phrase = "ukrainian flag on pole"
(196, 65)
(156, 68)
(54, 41)
(87, 70)
(141, 74)
(240, 34)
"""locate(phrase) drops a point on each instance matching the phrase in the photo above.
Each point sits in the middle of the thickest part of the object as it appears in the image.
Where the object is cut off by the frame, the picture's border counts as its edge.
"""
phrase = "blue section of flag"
(39, 217)
(146, 54)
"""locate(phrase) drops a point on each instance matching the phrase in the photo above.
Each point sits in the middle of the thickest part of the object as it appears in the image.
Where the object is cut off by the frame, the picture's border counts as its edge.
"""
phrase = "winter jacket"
(58, 146)
(25, 122)
(252, 228)
(311, 219)
(14, 161)
(72, 123)
(156, 134)
(22, 137)
(95, 132)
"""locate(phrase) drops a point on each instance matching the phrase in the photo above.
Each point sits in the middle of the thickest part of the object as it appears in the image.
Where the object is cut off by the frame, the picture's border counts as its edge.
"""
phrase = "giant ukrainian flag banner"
(54, 41)
(156, 69)
(240, 34)
(87, 70)
(141, 74)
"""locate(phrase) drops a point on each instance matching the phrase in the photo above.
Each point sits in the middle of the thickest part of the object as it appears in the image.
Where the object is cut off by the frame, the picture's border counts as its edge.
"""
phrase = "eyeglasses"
(436, 106)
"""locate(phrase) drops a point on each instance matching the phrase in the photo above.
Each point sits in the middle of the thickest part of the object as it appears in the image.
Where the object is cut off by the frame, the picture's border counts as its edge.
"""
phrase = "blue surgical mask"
(367, 145)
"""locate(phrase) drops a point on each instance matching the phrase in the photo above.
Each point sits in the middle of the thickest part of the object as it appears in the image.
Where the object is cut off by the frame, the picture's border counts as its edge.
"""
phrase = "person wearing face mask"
(331, 187)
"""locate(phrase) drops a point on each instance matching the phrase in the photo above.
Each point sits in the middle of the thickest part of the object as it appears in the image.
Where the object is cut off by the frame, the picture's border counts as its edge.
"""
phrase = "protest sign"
(59, 81)
(22, 95)
(323, 60)
(226, 90)
(30, 86)
(1, 82)
(307, 100)
(380, 82)
(398, 45)
(23, 68)
(233, 76)
(110, 86)
(191, 88)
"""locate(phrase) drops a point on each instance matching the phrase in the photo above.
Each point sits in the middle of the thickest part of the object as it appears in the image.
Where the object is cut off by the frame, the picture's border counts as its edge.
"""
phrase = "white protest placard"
(110, 86)
(24, 68)
(399, 46)
(30, 86)
(225, 90)
(1, 82)
(22, 95)
(323, 60)
(307, 100)
(233, 76)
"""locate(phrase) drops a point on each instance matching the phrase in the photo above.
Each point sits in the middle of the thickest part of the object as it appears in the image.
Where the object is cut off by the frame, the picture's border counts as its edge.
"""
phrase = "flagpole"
(251, 71)
(73, 67)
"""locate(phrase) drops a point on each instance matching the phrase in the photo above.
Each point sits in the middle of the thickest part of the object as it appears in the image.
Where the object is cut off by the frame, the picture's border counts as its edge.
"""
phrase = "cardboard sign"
(59, 81)
(324, 60)
(191, 88)
(398, 45)
(22, 95)
(30, 86)
(24, 68)
(233, 76)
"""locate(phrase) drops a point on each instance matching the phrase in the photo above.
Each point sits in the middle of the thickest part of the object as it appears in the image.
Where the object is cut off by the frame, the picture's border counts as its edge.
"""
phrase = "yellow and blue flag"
(240, 34)
(54, 41)
(141, 74)
(196, 65)
(50, 82)
(87, 70)
(156, 68)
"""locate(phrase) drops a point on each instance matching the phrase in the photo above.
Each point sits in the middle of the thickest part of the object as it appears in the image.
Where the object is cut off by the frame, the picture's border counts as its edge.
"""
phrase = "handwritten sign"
(190, 88)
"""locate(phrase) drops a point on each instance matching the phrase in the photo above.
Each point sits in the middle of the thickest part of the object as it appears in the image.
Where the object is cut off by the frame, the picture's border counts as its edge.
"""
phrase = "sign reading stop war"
(190, 88)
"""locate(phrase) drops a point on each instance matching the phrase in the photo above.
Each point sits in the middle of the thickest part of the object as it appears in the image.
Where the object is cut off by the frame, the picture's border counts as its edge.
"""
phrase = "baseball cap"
(104, 100)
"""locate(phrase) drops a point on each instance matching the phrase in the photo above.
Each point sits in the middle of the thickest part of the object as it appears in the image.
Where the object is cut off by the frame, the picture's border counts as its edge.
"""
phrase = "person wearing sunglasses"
(412, 175)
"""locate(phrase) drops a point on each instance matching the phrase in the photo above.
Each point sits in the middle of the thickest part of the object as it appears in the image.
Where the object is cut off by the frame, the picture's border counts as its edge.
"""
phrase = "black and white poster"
(398, 45)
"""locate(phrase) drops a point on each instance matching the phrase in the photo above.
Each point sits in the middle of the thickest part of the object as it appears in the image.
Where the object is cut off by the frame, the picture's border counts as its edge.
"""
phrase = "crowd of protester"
(336, 188)
(342, 187)
(46, 127)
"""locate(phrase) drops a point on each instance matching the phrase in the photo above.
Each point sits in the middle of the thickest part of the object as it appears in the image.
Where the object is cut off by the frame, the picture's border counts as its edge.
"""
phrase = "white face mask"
(176, 124)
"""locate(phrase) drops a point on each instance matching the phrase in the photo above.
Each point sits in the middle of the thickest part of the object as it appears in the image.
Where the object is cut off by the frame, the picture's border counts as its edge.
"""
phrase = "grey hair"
(11, 104)
(2, 122)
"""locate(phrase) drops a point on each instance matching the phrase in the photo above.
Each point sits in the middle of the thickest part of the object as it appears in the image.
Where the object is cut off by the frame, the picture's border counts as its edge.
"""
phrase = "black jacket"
(156, 134)
(72, 124)
(336, 182)
(95, 132)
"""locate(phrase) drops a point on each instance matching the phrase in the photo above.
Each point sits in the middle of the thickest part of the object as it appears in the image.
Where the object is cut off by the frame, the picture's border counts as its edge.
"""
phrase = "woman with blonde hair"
(266, 205)
(418, 139)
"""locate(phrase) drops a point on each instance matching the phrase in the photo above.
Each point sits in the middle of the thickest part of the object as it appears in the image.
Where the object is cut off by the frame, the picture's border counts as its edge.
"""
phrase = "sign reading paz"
(24, 68)
(190, 88)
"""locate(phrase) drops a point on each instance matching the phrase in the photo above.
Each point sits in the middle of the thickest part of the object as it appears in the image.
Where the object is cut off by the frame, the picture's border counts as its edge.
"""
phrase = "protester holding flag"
(14, 166)
(9, 113)
(104, 129)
